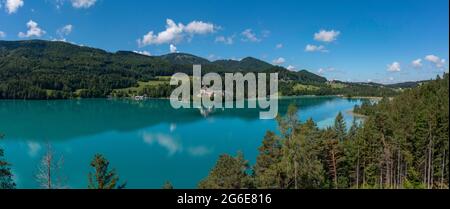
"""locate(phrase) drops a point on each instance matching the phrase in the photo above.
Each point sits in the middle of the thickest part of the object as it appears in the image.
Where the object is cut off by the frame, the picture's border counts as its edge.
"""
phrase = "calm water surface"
(147, 142)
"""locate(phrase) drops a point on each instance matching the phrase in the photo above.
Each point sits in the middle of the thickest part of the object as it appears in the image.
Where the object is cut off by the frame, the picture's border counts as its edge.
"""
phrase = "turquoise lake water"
(148, 142)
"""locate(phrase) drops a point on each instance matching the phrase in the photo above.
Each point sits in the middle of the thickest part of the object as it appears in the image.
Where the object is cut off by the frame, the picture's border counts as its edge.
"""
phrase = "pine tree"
(403, 142)
(103, 178)
(309, 173)
(6, 176)
(228, 173)
(288, 126)
(266, 170)
(340, 127)
(167, 185)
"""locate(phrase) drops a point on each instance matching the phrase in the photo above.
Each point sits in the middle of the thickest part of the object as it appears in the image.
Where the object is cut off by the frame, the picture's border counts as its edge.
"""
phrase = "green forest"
(38, 69)
(402, 143)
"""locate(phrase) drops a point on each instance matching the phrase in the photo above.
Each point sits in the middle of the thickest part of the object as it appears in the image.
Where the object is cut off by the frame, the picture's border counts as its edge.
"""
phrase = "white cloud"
(394, 67)
(322, 71)
(65, 30)
(279, 61)
(435, 60)
(249, 35)
(2, 34)
(314, 48)
(13, 5)
(175, 33)
(83, 3)
(172, 34)
(417, 63)
(226, 40)
(33, 30)
(146, 53)
(326, 36)
(291, 68)
(59, 3)
(279, 46)
(60, 39)
(432, 58)
(173, 48)
(165, 141)
(173, 127)
(199, 27)
(33, 148)
(213, 57)
(265, 33)
(199, 151)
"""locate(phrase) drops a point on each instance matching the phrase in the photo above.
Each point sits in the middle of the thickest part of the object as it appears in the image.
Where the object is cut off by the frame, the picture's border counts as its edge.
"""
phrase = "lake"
(147, 142)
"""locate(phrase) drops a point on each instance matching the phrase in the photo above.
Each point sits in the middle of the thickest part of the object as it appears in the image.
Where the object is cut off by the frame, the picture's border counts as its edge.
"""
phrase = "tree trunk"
(333, 158)
(295, 175)
(430, 148)
(443, 170)
(357, 170)
(399, 169)
(49, 172)
(364, 174)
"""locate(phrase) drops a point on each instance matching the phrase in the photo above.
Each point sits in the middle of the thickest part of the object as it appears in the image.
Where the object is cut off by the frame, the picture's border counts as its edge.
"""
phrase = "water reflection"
(69, 119)
(148, 142)
(163, 140)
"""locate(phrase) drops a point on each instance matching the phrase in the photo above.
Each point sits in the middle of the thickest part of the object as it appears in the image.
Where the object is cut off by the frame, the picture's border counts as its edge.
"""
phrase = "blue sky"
(382, 41)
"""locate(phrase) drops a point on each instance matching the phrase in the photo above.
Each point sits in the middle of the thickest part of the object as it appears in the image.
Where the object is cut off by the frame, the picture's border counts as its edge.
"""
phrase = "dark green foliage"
(349, 89)
(409, 133)
(6, 176)
(339, 127)
(56, 70)
(167, 185)
(266, 170)
(402, 143)
(6, 180)
(229, 173)
(103, 177)
(38, 69)
(248, 64)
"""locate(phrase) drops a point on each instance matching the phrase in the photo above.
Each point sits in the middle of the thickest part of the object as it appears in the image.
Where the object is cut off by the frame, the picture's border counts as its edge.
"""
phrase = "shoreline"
(165, 98)
(157, 98)
(361, 97)
(356, 115)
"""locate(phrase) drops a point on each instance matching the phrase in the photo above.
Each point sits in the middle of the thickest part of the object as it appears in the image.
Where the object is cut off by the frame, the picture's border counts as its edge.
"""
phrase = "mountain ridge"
(66, 51)
(39, 69)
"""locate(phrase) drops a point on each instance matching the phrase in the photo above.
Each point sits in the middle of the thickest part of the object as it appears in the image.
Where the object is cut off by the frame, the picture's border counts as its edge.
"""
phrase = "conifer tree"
(228, 173)
(266, 170)
(6, 176)
(103, 177)
(340, 127)
(167, 185)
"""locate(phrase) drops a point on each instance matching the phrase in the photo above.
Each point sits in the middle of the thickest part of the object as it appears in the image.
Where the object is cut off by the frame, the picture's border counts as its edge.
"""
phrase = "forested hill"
(38, 69)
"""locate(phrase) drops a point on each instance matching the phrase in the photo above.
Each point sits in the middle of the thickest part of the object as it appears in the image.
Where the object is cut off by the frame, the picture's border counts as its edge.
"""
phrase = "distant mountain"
(409, 84)
(306, 75)
(35, 68)
(39, 54)
(402, 85)
(184, 59)
(246, 64)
